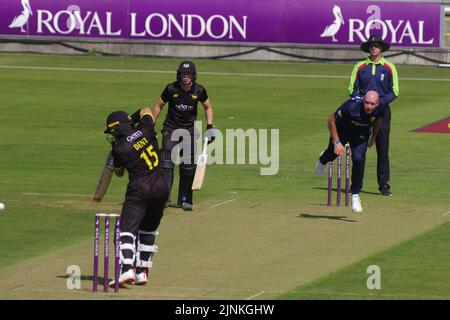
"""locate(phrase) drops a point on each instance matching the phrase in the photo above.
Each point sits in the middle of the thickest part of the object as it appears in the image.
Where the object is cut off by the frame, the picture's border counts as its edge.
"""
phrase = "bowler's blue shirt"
(352, 119)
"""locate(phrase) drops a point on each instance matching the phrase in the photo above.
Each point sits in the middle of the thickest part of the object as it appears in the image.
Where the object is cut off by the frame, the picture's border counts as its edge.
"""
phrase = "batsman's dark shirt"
(182, 105)
(138, 152)
(353, 119)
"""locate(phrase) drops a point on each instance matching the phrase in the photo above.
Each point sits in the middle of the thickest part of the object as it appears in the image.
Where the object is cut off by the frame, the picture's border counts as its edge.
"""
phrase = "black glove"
(136, 117)
(210, 133)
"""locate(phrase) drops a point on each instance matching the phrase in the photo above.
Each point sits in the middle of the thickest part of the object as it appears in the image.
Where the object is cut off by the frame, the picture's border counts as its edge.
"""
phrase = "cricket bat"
(104, 180)
(201, 168)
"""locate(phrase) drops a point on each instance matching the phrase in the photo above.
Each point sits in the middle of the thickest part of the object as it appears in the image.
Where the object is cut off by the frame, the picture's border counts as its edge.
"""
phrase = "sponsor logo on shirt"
(134, 136)
(358, 124)
(184, 107)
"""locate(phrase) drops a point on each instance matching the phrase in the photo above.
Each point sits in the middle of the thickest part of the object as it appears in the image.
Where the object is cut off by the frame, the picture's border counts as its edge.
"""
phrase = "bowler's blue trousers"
(358, 147)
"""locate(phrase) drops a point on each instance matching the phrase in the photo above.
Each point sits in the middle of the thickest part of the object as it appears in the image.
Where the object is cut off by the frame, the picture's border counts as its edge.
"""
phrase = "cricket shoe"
(320, 168)
(141, 277)
(356, 203)
(186, 206)
(127, 277)
(385, 190)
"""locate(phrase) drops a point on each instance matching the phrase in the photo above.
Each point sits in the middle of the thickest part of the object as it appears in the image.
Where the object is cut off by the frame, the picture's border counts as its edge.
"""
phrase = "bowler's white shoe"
(356, 203)
(320, 168)
(126, 277)
(141, 278)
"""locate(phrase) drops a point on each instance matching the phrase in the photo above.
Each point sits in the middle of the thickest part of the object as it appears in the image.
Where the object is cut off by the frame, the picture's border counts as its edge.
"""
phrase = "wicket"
(106, 251)
(338, 182)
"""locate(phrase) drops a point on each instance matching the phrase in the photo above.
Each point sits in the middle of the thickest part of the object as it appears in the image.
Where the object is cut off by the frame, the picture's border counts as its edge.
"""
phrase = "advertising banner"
(410, 24)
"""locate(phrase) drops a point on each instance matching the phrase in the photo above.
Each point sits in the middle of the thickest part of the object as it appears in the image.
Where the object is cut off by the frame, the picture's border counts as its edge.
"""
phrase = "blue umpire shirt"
(381, 77)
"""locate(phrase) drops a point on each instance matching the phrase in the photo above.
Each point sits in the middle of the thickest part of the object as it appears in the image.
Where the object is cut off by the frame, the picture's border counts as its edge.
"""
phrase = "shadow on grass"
(343, 190)
(314, 216)
(90, 279)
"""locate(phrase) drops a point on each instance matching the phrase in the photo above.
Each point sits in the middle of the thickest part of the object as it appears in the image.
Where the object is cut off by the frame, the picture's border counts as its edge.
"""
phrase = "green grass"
(53, 149)
(416, 269)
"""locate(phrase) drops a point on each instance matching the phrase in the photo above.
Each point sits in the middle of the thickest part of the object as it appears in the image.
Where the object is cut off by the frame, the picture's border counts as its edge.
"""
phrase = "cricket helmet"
(372, 40)
(115, 119)
(187, 67)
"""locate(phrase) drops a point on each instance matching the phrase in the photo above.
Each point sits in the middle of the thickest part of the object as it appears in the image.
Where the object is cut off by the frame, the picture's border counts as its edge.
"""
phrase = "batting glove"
(211, 133)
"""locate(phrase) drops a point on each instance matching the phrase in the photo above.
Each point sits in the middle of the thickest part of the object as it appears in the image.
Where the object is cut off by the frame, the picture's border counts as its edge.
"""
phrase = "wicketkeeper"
(357, 122)
(135, 149)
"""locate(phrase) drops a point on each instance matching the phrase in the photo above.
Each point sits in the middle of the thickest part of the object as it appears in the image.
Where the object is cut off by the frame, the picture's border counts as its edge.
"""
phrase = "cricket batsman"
(183, 96)
(135, 148)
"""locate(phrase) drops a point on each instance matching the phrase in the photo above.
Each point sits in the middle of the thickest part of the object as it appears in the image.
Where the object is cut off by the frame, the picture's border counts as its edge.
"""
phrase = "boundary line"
(238, 74)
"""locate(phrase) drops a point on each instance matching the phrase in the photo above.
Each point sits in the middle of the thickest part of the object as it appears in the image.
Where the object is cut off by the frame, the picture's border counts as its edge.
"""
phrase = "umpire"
(183, 96)
(135, 149)
(357, 122)
(378, 74)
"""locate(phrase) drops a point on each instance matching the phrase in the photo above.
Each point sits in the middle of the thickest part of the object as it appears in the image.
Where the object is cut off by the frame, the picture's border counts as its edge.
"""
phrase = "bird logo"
(22, 18)
(332, 29)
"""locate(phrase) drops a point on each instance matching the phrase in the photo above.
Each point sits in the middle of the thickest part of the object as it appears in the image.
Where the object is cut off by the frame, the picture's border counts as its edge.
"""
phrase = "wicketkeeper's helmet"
(187, 67)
